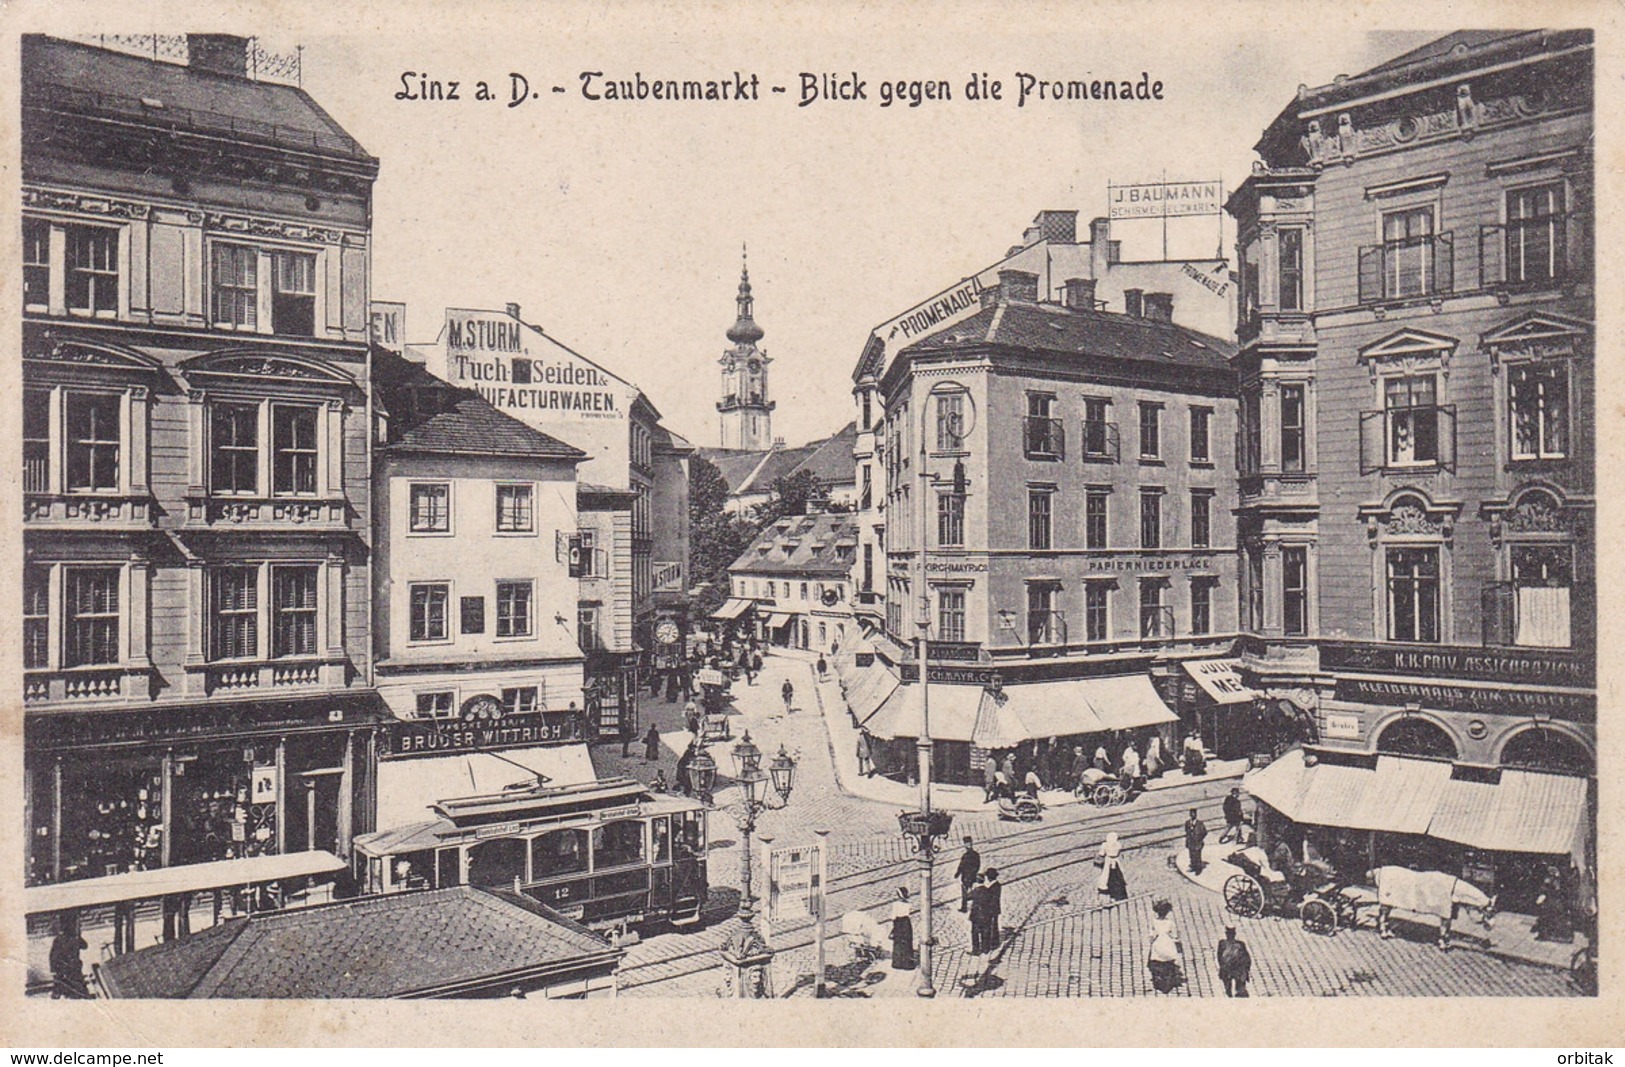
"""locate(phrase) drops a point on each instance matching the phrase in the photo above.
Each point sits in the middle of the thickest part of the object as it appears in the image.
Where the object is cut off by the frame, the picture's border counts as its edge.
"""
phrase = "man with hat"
(1235, 963)
(969, 870)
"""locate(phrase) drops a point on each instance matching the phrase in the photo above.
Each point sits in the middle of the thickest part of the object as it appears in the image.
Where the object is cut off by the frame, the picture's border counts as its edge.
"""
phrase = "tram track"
(1013, 853)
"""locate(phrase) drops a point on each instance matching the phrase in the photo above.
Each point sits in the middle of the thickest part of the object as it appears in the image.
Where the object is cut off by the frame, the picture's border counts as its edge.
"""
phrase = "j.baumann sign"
(408, 739)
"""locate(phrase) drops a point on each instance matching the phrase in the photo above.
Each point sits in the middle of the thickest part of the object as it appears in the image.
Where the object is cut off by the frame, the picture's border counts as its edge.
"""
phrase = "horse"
(1430, 893)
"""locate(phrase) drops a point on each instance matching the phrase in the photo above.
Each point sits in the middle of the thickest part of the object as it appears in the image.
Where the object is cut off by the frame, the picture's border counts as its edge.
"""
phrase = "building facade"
(195, 435)
(1417, 510)
(796, 577)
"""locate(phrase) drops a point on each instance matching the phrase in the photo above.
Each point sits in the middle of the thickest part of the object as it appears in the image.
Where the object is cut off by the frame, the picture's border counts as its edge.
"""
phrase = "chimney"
(1103, 250)
(778, 444)
(218, 53)
(1132, 306)
(1018, 285)
(513, 310)
(1078, 293)
(1159, 307)
(1031, 236)
(1058, 226)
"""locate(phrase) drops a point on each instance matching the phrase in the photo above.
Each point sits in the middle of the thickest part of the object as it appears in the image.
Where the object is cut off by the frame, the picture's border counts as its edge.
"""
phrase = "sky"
(618, 226)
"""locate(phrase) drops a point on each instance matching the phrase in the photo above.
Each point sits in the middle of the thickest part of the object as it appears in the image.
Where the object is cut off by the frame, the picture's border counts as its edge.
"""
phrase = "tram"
(603, 853)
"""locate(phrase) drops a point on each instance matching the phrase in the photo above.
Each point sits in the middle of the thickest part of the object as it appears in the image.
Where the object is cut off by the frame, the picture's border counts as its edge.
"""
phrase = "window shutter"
(1447, 437)
(1444, 262)
(1372, 440)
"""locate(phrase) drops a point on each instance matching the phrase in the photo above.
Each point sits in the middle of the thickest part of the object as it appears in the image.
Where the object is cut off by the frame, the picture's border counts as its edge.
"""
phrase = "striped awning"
(776, 620)
(953, 712)
(1526, 812)
(869, 690)
(731, 608)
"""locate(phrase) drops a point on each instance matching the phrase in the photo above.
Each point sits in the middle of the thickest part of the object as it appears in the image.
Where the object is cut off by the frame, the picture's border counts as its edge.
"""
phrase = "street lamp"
(926, 828)
(746, 953)
(702, 773)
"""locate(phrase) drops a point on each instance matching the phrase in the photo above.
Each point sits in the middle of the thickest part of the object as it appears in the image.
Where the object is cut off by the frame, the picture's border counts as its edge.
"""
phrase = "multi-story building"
(634, 471)
(475, 651)
(1416, 362)
(796, 577)
(195, 429)
(1074, 470)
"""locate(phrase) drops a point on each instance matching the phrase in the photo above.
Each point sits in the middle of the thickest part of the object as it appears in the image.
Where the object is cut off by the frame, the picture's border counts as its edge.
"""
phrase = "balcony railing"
(1044, 438)
(1046, 627)
(1401, 270)
(1408, 438)
(1531, 253)
(36, 471)
(1100, 441)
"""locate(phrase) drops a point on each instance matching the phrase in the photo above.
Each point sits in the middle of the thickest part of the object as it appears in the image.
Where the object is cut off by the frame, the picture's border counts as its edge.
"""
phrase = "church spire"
(744, 331)
(747, 412)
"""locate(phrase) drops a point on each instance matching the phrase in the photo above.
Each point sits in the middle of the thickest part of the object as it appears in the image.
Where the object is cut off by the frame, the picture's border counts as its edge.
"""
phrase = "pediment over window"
(1415, 345)
(93, 354)
(1537, 335)
(1535, 510)
(239, 365)
(1409, 512)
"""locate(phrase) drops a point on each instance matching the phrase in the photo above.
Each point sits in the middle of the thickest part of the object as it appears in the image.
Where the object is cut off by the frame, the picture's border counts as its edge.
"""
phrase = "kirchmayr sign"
(1163, 200)
(492, 353)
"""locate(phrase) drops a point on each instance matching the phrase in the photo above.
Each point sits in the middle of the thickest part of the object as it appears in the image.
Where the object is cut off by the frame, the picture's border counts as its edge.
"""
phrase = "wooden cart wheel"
(1243, 896)
(1107, 793)
(1319, 917)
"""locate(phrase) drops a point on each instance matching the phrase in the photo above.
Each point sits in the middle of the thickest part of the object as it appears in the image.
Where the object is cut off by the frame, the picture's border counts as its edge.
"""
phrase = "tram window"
(450, 863)
(691, 834)
(559, 852)
(617, 844)
(662, 839)
(414, 870)
(497, 862)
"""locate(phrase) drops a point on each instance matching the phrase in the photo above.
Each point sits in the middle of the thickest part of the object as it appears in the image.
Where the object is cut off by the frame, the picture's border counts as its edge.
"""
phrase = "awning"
(191, 878)
(776, 620)
(1068, 709)
(953, 712)
(406, 787)
(869, 690)
(1526, 811)
(731, 608)
(1219, 679)
(1126, 702)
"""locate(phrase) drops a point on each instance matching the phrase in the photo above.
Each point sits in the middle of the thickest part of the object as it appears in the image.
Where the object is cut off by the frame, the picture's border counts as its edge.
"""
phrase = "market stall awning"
(406, 787)
(1219, 679)
(953, 712)
(191, 878)
(731, 608)
(869, 690)
(1020, 713)
(1526, 811)
(776, 620)
(1125, 702)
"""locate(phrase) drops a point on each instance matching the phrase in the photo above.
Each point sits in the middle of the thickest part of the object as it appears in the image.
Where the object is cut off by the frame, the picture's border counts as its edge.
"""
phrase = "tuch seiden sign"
(519, 369)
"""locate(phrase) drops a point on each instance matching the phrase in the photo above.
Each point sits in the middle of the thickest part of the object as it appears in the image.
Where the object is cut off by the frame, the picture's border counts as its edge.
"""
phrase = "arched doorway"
(1541, 748)
(1413, 736)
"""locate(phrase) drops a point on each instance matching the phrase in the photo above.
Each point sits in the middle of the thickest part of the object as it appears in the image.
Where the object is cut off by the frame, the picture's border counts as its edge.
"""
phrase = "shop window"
(1095, 503)
(559, 852)
(1413, 594)
(294, 449)
(431, 508)
(293, 608)
(514, 609)
(436, 705)
(234, 454)
(1295, 591)
(1095, 622)
(1538, 395)
(1201, 518)
(414, 870)
(111, 818)
(1541, 748)
(950, 520)
(36, 264)
(293, 293)
(950, 614)
(520, 700)
(92, 270)
(617, 844)
(36, 617)
(1201, 432)
(514, 511)
(91, 596)
(234, 613)
(93, 429)
(428, 611)
(1411, 736)
(1202, 605)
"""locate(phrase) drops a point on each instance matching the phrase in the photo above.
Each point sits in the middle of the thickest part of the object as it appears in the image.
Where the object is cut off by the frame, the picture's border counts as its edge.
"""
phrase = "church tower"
(747, 413)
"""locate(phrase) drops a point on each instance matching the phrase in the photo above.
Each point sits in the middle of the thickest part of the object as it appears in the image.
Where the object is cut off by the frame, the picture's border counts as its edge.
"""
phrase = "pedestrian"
(1235, 963)
(990, 778)
(866, 755)
(1002, 786)
(788, 692)
(1131, 766)
(902, 932)
(1195, 834)
(1103, 762)
(1031, 783)
(1112, 883)
(823, 668)
(968, 871)
(1554, 921)
(1080, 763)
(992, 904)
(691, 718)
(1008, 766)
(1195, 760)
(1163, 961)
(651, 744)
(1282, 860)
(684, 783)
(1232, 817)
(628, 734)
(755, 663)
(1155, 760)
(659, 784)
(67, 967)
(978, 917)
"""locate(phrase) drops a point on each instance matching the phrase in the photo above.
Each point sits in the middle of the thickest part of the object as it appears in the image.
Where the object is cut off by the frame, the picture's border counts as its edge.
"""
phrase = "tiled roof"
(1075, 334)
(810, 545)
(735, 465)
(192, 99)
(828, 458)
(379, 946)
(430, 415)
(831, 462)
(778, 465)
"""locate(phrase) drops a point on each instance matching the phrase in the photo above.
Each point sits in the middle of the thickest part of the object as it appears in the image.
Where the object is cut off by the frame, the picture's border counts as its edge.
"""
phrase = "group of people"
(981, 895)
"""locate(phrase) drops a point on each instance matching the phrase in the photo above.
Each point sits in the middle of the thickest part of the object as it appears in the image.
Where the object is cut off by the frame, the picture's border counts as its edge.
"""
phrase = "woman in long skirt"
(1112, 883)
(1164, 958)
(902, 932)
